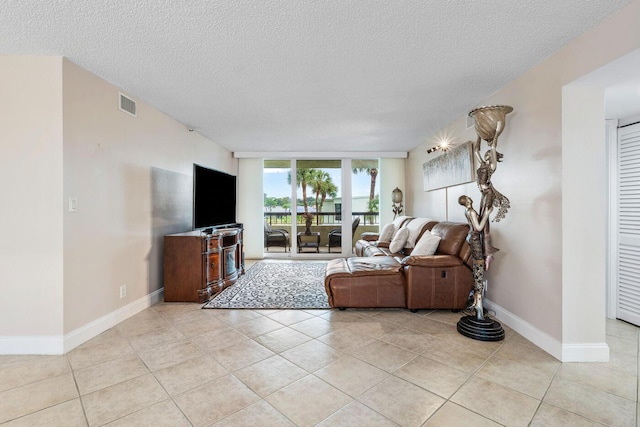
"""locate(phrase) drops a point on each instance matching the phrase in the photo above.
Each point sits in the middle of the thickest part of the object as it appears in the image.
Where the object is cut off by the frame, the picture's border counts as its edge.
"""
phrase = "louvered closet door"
(628, 268)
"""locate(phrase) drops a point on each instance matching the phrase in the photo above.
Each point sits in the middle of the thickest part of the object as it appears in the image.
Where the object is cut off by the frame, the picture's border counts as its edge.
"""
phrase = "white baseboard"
(575, 352)
(58, 344)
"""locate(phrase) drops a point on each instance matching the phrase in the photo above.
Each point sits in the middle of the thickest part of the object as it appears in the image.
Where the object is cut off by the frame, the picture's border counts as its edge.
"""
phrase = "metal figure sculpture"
(489, 124)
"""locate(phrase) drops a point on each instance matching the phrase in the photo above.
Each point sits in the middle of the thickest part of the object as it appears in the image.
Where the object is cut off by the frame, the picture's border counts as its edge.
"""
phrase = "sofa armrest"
(433, 261)
(370, 236)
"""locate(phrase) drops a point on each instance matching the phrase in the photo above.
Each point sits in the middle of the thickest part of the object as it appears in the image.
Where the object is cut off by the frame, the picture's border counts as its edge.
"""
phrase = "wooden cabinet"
(198, 265)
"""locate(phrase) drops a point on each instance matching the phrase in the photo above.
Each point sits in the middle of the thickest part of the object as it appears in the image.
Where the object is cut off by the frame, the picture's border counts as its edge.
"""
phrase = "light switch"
(73, 204)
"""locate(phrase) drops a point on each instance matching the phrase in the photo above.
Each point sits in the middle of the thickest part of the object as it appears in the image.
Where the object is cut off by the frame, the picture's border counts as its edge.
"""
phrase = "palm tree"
(373, 173)
(323, 186)
(303, 177)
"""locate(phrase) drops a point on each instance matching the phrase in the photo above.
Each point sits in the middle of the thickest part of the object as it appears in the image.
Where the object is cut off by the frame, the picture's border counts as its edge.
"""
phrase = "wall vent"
(127, 105)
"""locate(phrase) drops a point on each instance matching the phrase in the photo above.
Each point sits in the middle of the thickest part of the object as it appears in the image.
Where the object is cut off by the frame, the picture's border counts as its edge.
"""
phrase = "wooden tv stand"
(198, 265)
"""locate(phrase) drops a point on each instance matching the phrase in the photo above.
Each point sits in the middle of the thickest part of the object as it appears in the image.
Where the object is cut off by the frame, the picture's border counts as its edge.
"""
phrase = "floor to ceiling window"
(321, 209)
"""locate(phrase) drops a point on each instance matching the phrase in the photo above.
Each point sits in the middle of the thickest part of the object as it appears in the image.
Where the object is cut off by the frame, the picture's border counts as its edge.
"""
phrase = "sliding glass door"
(320, 207)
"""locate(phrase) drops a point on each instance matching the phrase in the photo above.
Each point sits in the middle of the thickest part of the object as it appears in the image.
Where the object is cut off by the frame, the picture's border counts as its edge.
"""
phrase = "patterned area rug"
(276, 285)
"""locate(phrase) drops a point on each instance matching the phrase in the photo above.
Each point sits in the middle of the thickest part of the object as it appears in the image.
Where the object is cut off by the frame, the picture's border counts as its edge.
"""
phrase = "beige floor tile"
(445, 316)
(82, 357)
(157, 338)
(314, 327)
(258, 326)
(454, 354)
(258, 414)
(190, 374)
(67, 414)
(373, 327)
(351, 375)
(241, 355)
(601, 377)
(195, 329)
(234, 317)
(289, 317)
(411, 340)
(308, 401)
(496, 402)
(215, 400)
(399, 317)
(220, 339)
(517, 376)
(141, 323)
(591, 403)
(343, 317)
(31, 369)
(282, 339)
(312, 355)
(452, 415)
(162, 414)
(33, 397)
(625, 362)
(430, 326)
(109, 373)
(552, 416)
(622, 345)
(344, 339)
(621, 329)
(180, 312)
(434, 376)
(520, 350)
(269, 375)
(170, 354)
(356, 414)
(384, 355)
(402, 402)
(110, 336)
(111, 403)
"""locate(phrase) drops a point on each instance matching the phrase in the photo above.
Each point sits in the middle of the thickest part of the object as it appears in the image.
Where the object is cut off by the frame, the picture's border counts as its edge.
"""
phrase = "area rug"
(273, 285)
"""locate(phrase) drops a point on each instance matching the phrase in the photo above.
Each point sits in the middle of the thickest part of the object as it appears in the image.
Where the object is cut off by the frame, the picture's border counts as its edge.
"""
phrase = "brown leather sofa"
(380, 279)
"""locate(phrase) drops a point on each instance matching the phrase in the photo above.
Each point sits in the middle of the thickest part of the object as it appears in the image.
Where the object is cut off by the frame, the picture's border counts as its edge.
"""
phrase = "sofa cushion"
(386, 235)
(453, 237)
(399, 240)
(416, 227)
(427, 244)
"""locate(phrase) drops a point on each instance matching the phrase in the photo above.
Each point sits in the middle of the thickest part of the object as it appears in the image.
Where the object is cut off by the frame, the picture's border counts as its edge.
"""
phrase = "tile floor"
(177, 365)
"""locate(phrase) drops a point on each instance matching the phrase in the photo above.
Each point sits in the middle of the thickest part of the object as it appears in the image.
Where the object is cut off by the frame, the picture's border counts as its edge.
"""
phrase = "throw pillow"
(387, 233)
(397, 244)
(427, 245)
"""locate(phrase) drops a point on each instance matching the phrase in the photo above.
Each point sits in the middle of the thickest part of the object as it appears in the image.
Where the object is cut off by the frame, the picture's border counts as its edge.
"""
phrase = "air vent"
(127, 105)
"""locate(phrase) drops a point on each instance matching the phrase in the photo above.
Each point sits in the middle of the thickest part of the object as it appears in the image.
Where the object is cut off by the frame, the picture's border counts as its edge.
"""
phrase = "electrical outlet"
(123, 291)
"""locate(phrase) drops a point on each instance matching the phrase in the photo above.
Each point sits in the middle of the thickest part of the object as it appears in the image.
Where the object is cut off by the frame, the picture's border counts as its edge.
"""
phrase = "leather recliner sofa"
(377, 278)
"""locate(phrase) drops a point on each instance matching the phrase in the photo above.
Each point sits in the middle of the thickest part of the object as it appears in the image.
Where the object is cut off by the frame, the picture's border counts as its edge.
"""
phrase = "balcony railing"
(321, 218)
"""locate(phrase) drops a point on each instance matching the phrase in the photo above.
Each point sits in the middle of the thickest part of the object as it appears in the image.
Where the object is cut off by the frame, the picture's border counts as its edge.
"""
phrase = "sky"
(275, 183)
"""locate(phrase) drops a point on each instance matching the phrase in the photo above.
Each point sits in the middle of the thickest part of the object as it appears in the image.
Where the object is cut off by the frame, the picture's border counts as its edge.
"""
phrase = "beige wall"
(133, 180)
(63, 136)
(30, 212)
(542, 239)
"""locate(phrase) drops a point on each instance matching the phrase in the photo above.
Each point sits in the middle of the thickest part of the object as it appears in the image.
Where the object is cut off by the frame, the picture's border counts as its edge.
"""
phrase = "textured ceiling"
(335, 75)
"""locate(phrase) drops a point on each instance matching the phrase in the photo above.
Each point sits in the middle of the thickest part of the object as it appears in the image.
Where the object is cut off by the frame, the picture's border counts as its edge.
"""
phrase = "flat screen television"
(214, 198)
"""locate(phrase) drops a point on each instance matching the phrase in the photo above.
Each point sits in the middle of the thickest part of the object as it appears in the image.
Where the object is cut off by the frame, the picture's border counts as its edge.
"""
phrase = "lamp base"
(482, 330)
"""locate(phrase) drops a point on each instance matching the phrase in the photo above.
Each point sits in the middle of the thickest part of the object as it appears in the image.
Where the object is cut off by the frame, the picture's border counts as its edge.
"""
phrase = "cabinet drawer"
(214, 267)
(213, 244)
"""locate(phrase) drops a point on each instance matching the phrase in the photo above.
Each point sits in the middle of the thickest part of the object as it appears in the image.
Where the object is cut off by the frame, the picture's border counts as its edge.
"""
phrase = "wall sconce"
(396, 198)
(442, 145)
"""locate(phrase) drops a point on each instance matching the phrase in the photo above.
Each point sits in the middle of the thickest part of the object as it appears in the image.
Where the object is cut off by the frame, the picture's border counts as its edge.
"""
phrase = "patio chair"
(278, 237)
(335, 235)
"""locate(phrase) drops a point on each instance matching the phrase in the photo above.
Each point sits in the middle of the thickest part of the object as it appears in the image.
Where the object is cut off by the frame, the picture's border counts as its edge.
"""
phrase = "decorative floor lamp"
(489, 124)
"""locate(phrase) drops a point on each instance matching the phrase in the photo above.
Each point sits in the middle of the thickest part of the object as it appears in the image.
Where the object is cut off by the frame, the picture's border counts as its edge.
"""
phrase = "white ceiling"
(321, 76)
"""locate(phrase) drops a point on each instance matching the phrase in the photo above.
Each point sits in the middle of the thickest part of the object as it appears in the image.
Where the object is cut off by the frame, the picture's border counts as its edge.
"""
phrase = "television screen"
(214, 198)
